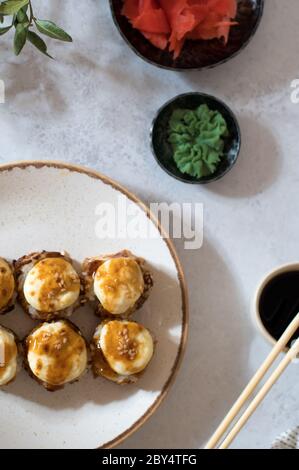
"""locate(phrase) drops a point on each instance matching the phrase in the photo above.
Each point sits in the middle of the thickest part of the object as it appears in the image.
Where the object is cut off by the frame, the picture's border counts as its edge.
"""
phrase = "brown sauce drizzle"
(123, 275)
(101, 366)
(7, 285)
(62, 347)
(10, 351)
(55, 281)
(120, 344)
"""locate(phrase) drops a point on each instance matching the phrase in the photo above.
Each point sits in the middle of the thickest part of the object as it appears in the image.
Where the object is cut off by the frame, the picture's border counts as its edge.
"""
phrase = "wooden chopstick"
(249, 389)
(288, 358)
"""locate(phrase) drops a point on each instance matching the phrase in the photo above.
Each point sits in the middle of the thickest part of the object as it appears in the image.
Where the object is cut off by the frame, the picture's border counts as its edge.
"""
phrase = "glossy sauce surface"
(100, 365)
(126, 346)
(120, 342)
(8, 355)
(7, 283)
(10, 352)
(57, 353)
(52, 284)
(119, 284)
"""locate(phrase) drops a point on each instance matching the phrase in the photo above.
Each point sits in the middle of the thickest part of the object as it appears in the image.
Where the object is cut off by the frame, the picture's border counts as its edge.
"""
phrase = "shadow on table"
(212, 374)
(258, 165)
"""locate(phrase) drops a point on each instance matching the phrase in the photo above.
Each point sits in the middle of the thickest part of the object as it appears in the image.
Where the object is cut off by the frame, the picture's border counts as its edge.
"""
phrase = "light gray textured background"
(94, 106)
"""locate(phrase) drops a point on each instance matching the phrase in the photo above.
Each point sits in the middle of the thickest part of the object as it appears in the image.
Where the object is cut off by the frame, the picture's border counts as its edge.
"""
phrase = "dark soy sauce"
(279, 303)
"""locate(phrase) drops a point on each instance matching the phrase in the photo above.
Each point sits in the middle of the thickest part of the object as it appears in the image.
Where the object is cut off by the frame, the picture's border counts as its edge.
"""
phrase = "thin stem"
(31, 13)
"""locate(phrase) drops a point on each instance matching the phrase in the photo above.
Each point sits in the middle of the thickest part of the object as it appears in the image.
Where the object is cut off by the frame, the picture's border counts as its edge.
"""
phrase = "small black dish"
(277, 302)
(196, 55)
(163, 152)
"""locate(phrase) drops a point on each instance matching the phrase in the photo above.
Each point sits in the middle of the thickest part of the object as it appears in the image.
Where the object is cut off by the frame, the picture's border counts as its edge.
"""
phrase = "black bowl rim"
(216, 100)
(188, 69)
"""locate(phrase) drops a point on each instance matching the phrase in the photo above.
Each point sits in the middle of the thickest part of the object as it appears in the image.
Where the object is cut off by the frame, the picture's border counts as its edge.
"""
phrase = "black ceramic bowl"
(163, 152)
(196, 55)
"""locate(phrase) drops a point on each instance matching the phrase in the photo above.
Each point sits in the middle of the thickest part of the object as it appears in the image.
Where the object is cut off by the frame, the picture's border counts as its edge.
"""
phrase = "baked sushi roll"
(121, 350)
(55, 354)
(7, 287)
(119, 283)
(9, 356)
(48, 285)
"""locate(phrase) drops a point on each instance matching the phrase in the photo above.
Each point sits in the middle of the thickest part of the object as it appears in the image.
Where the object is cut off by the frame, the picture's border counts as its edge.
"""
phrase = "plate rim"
(72, 167)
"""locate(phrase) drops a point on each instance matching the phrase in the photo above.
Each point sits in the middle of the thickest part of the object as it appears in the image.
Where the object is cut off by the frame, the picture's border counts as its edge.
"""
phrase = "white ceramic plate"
(52, 206)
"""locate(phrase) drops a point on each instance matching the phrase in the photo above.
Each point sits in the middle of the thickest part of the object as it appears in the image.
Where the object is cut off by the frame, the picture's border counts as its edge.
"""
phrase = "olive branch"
(23, 20)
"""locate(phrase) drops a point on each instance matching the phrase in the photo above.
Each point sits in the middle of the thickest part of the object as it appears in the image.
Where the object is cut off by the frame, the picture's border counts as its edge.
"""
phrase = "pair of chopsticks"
(254, 382)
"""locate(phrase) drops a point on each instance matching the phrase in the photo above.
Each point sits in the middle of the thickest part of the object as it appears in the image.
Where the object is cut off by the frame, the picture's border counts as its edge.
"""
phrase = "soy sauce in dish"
(279, 303)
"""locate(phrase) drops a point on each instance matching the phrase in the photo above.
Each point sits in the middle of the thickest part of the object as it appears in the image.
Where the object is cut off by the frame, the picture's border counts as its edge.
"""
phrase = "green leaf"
(20, 38)
(4, 30)
(1, 18)
(38, 42)
(22, 16)
(10, 7)
(52, 30)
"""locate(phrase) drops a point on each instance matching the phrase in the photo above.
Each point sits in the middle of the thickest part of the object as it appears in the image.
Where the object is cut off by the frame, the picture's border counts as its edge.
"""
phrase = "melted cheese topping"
(127, 346)
(7, 283)
(57, 354)
(8, 356)
(118, 284)
(52, 285)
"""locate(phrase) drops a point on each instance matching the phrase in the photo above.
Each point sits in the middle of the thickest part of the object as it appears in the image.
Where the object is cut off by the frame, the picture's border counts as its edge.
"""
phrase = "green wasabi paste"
(197, 141)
